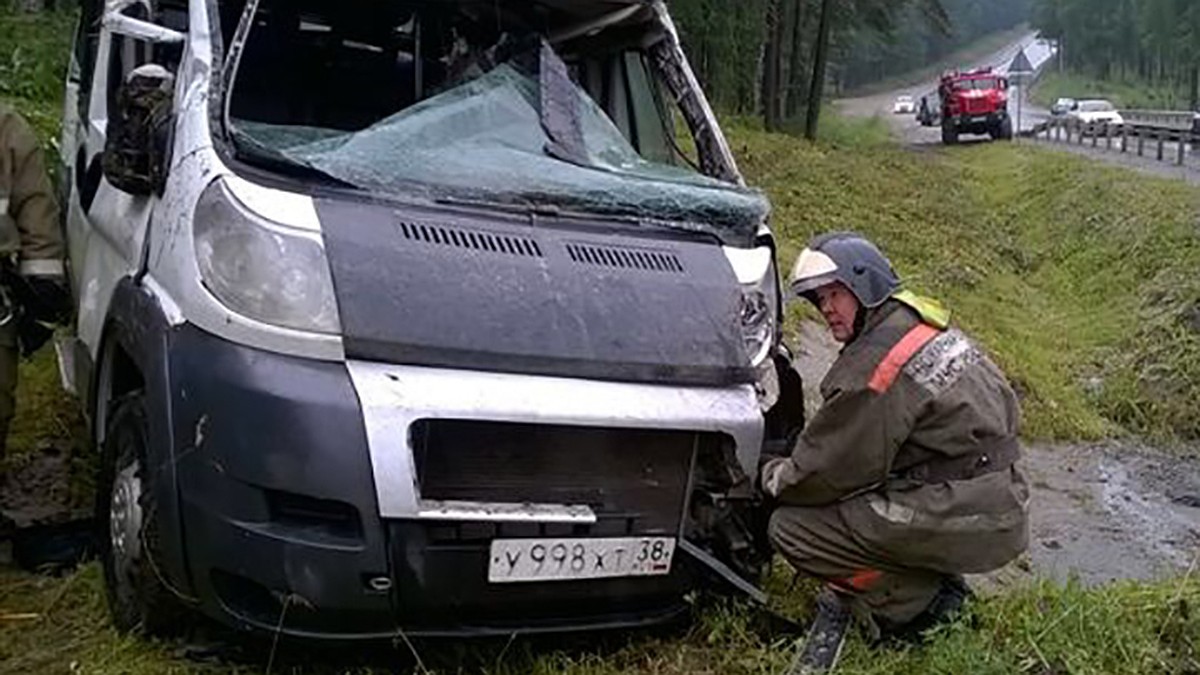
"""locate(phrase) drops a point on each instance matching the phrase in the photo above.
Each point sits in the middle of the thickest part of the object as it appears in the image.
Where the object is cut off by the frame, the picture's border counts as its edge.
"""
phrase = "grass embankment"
(1124, 93)
(34, 49)
(1124, 628)
(1077, 276)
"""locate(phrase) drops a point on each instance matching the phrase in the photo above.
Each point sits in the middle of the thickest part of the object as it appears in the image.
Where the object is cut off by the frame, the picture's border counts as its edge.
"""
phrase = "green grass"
(1124, 92)
(835, 131)
(34, 50)
(1039, 628)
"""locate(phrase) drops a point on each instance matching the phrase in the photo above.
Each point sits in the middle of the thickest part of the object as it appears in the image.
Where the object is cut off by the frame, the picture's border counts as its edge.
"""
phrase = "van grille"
(625, 258)
(470, 239)
(635, 480)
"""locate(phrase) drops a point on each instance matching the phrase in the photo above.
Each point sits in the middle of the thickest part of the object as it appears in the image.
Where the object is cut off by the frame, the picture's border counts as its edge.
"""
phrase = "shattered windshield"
(520, 131)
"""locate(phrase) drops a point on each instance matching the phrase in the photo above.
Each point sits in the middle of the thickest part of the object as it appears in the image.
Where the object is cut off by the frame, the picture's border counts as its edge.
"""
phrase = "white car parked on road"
(904, 105)
(1096, 115)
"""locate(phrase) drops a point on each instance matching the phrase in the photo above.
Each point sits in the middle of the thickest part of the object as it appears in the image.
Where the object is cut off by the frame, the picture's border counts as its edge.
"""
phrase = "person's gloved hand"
(772, 451)
(767, 481)
(48, 298)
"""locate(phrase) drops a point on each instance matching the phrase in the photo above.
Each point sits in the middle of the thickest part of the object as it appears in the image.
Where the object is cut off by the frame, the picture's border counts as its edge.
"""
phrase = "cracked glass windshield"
(457, 101)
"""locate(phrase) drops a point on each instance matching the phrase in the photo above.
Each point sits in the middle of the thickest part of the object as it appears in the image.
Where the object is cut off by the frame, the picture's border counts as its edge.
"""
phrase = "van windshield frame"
(649, 182)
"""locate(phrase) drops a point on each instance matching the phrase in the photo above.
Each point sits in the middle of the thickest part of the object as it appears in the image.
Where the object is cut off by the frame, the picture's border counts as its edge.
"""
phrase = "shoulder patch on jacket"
(887, 370)
(942, 362)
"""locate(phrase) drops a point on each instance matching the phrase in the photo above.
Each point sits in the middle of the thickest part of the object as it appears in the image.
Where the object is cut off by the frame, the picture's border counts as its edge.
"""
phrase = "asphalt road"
(906, 127)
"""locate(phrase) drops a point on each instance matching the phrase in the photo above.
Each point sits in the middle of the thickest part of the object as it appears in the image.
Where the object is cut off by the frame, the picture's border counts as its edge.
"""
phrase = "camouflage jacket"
(903, 400)
(29, 223)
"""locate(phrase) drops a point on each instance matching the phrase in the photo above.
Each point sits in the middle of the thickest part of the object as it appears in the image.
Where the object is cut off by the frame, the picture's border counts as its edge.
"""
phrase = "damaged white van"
(449, 316)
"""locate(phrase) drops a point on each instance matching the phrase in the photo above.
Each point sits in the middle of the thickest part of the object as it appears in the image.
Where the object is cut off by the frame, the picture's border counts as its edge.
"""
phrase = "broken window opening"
(438, 100)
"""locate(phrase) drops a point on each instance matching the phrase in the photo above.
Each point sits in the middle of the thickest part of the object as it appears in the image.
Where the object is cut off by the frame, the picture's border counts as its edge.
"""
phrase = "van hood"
(500, 292)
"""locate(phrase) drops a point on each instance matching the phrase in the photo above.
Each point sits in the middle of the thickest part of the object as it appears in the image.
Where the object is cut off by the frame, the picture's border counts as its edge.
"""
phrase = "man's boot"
(823, 644)
(946, 605)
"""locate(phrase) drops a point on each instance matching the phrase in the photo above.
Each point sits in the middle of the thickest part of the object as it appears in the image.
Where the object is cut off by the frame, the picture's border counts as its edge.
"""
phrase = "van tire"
(138, 598)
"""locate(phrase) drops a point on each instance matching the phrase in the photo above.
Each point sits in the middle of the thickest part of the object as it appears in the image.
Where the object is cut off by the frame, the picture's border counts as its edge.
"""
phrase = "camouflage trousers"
(8, 385)
(820, 541)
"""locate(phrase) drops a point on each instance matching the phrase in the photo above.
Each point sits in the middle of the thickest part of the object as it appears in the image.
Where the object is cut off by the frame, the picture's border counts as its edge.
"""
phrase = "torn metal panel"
(723, 571)
(593, 26)
(716, 159)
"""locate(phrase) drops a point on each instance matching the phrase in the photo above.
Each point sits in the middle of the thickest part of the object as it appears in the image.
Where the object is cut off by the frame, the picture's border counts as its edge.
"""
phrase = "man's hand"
(771, 475)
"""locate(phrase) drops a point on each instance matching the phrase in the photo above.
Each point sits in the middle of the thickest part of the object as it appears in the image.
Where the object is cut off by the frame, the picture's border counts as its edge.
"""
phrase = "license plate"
(979, 118)
(515, 560)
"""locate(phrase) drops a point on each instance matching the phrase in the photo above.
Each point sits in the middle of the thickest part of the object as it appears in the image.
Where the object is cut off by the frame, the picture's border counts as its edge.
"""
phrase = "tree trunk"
(796, 70)
(773, 65)
(1194, 88)
(820, 54)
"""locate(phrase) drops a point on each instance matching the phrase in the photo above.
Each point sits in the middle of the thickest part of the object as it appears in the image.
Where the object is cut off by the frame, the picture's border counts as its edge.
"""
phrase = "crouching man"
(905, 478)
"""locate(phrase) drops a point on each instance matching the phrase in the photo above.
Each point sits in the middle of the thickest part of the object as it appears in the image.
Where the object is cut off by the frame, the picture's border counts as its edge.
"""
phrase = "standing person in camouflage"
(905, 478)
(33, 288)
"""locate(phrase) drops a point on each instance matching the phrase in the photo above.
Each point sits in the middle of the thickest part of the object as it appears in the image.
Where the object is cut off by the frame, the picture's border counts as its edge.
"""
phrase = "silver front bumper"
(394, 397)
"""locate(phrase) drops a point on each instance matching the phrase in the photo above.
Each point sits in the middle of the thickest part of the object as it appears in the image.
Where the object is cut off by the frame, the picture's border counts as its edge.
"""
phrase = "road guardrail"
(1161, 143)
(1161, 119)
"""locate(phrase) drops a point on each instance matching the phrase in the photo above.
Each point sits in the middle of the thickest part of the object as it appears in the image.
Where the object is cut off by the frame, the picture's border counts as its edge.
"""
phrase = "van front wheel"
(138, 597)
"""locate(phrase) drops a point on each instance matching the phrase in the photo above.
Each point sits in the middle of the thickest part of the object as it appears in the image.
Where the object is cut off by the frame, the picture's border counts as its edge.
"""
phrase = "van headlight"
(260, 269)
(758, 310)
(758, 321)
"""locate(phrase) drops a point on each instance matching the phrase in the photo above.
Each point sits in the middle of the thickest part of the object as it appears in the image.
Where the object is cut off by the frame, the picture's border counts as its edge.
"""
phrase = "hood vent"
(471, 239)
(625, 258)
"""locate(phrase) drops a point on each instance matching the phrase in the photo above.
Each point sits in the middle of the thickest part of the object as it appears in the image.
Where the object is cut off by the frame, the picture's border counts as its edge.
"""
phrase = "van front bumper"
(304, 508)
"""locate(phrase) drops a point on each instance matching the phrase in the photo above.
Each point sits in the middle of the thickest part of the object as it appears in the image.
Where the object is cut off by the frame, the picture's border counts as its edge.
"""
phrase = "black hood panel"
(452, 290)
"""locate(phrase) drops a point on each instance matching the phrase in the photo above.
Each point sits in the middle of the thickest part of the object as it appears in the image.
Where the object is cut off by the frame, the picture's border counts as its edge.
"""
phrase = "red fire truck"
(974, 102)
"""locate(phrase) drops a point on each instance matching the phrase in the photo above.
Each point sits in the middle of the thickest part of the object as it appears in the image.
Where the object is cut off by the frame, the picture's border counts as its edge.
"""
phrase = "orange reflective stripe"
(860, 581)
(889, 368)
